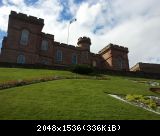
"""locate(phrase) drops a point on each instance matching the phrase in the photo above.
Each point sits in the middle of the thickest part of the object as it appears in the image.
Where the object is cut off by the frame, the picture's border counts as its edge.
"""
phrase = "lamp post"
(70, 22)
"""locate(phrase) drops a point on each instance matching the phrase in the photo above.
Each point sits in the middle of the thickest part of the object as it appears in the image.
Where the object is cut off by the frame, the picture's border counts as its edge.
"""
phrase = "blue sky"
(134, 24)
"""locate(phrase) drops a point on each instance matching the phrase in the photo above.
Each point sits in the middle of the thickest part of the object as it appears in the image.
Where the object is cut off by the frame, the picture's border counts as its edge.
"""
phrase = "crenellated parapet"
(115, 47)
(84, 40)
(24, 17)
(84, 43)
(64, 45)
(48, 36)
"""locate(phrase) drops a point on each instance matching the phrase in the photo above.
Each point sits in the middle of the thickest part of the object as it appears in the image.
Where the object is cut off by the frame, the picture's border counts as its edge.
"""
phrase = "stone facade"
(146, 67)
(27, 44)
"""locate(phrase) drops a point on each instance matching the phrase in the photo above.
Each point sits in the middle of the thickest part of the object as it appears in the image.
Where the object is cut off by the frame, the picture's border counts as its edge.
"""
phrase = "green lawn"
(10, 74)
(71, 99)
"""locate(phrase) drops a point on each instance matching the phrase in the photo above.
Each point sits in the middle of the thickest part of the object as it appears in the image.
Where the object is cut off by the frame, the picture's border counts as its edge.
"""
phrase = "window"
(120, 63)
(59, 55)
(44, 45)
(45, 62)
(94, 63)
(24, 37)
(74, 59)
(21, 59)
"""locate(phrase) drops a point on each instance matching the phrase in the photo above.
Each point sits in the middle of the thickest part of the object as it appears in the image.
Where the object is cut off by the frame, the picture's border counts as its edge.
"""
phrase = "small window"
(94, 63)
(44, 45)
(21, 59)
(59, 55)
(45, 62)
(24, 37)
(74, 59)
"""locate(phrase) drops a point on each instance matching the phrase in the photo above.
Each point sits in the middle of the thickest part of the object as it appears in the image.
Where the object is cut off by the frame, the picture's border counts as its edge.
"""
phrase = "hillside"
(70, 98)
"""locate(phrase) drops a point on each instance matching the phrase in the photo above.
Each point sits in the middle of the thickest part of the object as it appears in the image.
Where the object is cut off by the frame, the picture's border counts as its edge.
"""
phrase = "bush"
(130, 97)
(82, 69)
(142, 99)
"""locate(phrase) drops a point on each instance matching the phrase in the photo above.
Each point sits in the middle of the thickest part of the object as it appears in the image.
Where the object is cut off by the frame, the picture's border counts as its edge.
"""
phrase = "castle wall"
(146, 67)
(10, 55)
(116, 57)
(13, 46)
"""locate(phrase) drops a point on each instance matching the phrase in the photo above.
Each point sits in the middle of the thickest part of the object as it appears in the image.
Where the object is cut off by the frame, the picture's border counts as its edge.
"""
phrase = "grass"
(10, 74)
(73, 99)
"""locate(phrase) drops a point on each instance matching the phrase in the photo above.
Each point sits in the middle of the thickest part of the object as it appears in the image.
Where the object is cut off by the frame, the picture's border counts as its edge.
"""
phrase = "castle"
(25, 43)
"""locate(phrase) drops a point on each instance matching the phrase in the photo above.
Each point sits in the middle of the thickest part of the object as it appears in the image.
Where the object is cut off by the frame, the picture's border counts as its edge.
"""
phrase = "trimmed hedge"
(82, 69)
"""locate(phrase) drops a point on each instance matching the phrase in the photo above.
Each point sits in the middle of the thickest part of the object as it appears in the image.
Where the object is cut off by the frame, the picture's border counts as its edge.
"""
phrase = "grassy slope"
(73, 99)
(8, 74)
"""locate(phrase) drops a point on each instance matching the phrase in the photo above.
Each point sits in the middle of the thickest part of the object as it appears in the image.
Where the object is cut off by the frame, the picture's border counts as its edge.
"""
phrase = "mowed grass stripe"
(10, 74)
(73, 99)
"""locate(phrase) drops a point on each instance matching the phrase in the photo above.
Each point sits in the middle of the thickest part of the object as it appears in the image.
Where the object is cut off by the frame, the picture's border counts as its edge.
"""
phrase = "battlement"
(65, 45)
(94, 54)
(49, 36)
(24, 17)
(84, 40)
(68, 46)
(113, 46)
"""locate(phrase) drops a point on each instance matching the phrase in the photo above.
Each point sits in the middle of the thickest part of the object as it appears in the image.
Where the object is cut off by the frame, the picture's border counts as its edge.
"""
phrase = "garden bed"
(150, 103)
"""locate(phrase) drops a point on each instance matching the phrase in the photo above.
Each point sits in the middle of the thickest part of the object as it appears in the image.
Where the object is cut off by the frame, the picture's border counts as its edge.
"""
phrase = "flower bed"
(150, 103)
(23, 82)
(16, 83)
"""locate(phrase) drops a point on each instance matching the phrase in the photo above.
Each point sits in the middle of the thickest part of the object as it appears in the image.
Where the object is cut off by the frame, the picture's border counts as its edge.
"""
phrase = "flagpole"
(68, 33)
(69, 27)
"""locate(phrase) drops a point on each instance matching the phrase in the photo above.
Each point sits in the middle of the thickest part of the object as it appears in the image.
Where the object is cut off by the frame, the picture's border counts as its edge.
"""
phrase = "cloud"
(134, 24)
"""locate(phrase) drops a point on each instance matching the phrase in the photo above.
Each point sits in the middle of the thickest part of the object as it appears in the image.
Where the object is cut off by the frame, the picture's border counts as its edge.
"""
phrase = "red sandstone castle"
(27, 44)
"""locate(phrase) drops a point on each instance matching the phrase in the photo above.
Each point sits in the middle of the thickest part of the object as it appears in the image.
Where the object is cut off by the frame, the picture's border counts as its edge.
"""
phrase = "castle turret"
(84, 43)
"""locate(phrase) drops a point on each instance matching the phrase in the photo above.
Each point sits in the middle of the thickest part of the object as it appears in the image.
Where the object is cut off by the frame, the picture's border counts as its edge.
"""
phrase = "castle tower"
(20, 45)
(84, 43)
(116, 57)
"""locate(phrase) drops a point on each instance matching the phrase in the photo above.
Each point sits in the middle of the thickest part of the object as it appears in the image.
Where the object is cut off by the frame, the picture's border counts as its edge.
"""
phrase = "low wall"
(33, 66)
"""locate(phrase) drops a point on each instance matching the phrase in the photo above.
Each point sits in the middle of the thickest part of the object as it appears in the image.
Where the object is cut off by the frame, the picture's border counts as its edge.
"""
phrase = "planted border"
(16, 83)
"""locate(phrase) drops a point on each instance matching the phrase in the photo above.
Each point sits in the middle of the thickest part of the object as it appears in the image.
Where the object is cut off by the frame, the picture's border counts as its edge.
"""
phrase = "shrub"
(152, 105)
(82, 69)
(142, 99)
(130, 97)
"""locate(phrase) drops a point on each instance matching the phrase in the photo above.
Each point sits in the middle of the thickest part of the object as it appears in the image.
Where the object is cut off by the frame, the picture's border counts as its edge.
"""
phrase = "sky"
(131, 23)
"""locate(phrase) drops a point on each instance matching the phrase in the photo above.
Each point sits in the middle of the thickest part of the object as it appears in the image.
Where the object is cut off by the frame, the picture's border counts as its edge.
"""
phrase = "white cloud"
(15, 2)
(134, 24)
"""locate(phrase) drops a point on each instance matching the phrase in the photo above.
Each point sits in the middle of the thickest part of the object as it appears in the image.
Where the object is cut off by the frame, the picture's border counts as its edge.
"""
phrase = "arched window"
(59, 55)
(24, 37)
(21, 59)
(44, 45)
(120, 63)
(74, 59)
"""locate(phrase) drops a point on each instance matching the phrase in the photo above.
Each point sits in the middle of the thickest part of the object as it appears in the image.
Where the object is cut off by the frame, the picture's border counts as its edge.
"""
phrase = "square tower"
(23, 37)
(116, 57)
